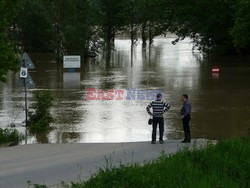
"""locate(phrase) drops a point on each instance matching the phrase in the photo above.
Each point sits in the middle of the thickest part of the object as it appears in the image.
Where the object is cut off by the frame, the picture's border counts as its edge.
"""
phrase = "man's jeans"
(157, 120)
(186, 127)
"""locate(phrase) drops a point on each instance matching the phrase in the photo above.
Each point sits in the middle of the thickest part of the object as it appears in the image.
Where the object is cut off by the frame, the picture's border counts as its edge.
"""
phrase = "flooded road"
(221, 105)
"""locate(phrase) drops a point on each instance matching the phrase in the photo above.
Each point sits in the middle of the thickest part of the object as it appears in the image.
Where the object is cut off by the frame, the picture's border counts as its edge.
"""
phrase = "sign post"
(26, 81)
(26, 109)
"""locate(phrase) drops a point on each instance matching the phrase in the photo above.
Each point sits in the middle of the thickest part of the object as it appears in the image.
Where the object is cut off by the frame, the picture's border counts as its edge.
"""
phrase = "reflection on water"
(71, 80)
(215, 75)
(220, 102)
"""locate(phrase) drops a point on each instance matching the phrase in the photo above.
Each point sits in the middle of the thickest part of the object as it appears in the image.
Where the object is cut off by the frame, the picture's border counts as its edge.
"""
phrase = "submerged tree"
(41, 118)
(111, 19)
(59, 26)
(78, 28)
(207, 23)
(149, 14)
(83, 26)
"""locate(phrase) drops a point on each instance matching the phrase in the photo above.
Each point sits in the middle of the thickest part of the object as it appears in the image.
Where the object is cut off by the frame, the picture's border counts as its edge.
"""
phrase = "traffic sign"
(29, 82)
(72, 61)
(26, 61)
(23, 72)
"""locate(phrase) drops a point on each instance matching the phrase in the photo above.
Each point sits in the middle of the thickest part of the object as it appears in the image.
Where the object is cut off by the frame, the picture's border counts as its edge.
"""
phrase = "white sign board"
(71, 62)
(23, 72)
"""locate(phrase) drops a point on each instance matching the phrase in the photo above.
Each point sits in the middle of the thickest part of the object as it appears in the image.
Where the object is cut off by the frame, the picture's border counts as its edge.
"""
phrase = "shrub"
(40, 119)
(11, 136)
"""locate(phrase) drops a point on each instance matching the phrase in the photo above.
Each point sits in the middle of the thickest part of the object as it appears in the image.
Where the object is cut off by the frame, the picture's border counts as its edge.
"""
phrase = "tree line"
(85, 27)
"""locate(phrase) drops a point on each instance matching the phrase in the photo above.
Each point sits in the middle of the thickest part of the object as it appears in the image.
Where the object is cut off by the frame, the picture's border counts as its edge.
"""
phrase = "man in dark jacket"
(159, 107)
(186, 117)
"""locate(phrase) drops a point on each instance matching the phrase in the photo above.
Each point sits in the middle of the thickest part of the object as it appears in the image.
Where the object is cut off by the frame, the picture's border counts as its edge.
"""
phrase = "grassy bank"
(9, 137)
(226, 164)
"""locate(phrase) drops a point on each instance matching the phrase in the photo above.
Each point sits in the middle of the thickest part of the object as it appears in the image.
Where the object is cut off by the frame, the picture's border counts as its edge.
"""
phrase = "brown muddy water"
(220, 102)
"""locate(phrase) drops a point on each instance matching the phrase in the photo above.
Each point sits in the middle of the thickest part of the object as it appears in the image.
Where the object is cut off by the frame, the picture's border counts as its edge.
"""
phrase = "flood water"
(220, 102)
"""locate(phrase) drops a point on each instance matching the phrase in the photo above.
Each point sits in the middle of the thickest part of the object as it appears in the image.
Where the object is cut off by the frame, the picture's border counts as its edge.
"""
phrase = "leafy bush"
(9, 136)
(31, 185)
(40, 119)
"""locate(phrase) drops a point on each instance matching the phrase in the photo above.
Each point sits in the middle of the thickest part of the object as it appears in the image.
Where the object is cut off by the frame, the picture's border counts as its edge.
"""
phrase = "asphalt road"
(52, 163)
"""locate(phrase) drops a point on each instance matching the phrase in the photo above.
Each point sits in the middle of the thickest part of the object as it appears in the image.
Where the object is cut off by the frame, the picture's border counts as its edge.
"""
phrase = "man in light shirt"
(159, 107)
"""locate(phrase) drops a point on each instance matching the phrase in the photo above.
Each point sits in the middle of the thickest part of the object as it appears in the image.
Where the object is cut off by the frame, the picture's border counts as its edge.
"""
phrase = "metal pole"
(26, 111)
(26, 105)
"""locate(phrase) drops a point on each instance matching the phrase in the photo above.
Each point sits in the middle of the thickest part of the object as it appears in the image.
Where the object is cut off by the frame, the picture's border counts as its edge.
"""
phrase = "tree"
(40, 119)
(240, 31)
(111, 19)
(149, 14)
(83, 26)
(8, 59)
(34, 27)
(207, 23)
(77, 27)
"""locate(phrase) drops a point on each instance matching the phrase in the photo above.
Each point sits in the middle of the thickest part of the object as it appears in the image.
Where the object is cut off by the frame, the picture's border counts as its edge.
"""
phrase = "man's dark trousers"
(186, 127)
(157, 120)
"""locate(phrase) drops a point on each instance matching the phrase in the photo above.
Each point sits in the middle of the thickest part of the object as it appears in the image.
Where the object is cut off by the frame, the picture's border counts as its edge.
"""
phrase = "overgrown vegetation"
(84, 27)
(41, 118)
(226, 164)
(8, 59)
(9, 136)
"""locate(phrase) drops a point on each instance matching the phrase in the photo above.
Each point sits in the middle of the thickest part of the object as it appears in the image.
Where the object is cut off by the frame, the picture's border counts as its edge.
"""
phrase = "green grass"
(9, 136)
(226, 164)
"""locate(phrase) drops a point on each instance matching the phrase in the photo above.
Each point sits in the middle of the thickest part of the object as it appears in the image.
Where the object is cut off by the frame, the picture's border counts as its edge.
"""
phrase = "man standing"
(159, 107)
(186, 117)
